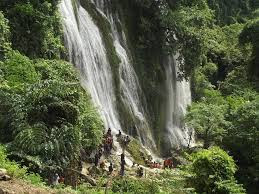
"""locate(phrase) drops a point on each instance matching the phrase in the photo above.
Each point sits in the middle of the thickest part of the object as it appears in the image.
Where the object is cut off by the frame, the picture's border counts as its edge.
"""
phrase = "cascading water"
(129, 84)
(86, 50)
(178, 98)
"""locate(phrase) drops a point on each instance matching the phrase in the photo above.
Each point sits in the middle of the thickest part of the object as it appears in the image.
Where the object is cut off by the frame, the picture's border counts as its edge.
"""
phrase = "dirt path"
(20, 187)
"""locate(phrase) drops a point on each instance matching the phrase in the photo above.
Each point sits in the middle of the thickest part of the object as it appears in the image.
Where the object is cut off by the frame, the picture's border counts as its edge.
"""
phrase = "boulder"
(3, 172)
(89, 179)
(3, 175)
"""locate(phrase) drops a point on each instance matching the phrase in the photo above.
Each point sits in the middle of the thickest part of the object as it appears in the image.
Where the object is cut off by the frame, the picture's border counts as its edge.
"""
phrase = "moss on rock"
(137, 151)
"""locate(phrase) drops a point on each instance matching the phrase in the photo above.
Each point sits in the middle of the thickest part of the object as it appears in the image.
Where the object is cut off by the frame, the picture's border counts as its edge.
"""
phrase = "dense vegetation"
(218, 41)
(46, 117)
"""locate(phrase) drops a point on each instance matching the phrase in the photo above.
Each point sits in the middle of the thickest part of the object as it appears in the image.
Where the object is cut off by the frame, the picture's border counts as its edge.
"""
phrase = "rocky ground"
(16, 186)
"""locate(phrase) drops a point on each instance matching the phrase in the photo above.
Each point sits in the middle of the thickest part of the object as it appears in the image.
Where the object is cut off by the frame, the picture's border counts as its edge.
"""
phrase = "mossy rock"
(138, 153)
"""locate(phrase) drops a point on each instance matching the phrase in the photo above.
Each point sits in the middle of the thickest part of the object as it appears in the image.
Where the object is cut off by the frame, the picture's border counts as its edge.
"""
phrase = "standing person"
(100, 152)
(96, 159)
(140, 171)
(122, 157)
(109, 133)
(119, 134)
(106, 147)
(110, 143)
(110, 168)
(122, 167)
(127, 140)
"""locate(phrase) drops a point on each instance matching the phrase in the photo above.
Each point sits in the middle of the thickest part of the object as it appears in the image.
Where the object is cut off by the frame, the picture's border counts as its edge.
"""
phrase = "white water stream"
(129, 84)
(87, 52)
(178, 98)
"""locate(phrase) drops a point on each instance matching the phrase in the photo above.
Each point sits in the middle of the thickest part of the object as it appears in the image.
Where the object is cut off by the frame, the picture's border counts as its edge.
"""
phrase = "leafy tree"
(231, 11)
(250, 35)
(184, 32)
(208, 121)
(35, 27)
(10, 113)
(4, 35)
(45, 113)
(59, 119)
(18, 70)
(237, 83)
(242, 139)
(212, 171)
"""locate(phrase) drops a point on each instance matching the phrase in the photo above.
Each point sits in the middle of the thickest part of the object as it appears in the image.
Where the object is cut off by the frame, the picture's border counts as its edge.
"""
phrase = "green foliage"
(10, 113)
(34, 179)
(45, 112)
(131, 185)
(209, 125)
(56, 70)
(137, 151)
(18, 70)
(237, 83)
(4, 35)
(12, 168)
(58, 123)
(173, 181)
(213, 172)
(250, 35)
(228, 187)
(231, 11)
(35, 27)
(242, 139)
(185, 28)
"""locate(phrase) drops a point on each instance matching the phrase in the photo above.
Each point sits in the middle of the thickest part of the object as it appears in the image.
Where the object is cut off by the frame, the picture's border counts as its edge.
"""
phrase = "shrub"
(35, 179)
(130, 185)
(13, 169)
(225, 187)
(212, 171)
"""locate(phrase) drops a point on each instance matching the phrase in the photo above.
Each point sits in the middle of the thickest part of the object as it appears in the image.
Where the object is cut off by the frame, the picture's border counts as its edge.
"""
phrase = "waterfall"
(178, 98)
(87, 52)
(129, 84)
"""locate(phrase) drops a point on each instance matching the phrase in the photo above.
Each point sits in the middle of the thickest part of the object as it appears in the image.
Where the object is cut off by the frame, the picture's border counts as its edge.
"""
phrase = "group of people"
(168, 163)
(153, 164)
(107, 146)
